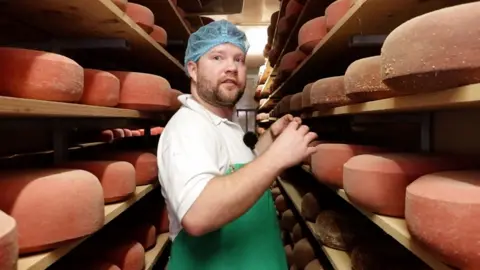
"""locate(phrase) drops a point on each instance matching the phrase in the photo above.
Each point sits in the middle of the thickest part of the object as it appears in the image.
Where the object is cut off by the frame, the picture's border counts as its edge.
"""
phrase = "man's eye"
(217, 58)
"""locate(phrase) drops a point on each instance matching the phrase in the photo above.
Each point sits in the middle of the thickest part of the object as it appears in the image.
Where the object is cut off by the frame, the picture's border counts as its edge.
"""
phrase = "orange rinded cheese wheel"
(145, 164)
(434, 51)
(377, 182)
(328, 93)
(303, 253)
(121, 4)
(308, 160)
(141, 15)
(160, 220)
(281, 204)
(117, 177)
(8, 242)
(336, 10)
(107, 136)
(142, 91)
(290, 61)
(128, 255)
(51, 197)
(39, 75)
(128, 132)
(146, 235)
(176, 104)
(311, 33)
(118, 133)
(136, 133)
(101, 88)
(159, 35)
(142, 132)
(156, 131)
(443, 213)
(328, 161)
(363, 80)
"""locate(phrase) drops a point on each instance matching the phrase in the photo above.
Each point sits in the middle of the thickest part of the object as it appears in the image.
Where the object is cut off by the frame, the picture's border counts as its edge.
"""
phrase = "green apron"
(251, 242)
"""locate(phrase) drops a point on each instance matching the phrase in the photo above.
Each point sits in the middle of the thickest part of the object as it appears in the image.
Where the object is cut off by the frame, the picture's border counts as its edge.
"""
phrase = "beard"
(217, 94)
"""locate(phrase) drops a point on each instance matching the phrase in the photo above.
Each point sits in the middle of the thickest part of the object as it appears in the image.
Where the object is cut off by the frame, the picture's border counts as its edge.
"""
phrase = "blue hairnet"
(212, 35)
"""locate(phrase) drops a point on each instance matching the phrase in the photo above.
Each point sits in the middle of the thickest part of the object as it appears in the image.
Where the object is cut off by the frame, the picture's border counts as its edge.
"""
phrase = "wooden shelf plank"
(152, 256)
(368, 17)
(397, 228)
(167, 16)
(96, 19)
(10, 106)
(44, 260)
(461, 97)
(339, 259)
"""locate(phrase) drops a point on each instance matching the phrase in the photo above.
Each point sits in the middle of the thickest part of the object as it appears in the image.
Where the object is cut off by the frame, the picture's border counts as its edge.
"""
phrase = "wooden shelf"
(339, 259)
(44, 260)
(397, 228)
(96, 19)
(461, 97)
(368, 17)
(190, 5)
(10, 106)
(167, 16)
(152, 256)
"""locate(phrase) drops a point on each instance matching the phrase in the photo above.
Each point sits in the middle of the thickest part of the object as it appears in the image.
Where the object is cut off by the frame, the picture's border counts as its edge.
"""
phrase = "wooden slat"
(28, 107)
(152, 256)
(167, 16)
(462, 97)
(367, 17)
(44, 260)
(99, 19)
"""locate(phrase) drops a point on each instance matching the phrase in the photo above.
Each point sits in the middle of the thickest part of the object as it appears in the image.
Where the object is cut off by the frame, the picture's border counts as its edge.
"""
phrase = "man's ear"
(192, 70)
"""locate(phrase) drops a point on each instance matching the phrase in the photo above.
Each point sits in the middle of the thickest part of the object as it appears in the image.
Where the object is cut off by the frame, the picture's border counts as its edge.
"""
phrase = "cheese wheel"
(442, 212)
(156, 131)
(39, 75)
(146, 235)
(293, 8)
(293, 267)
(328, 160)
(284, 105)
(101, 88)
(118, 133)
(8, 242)
(433, 51)
(315, 265)
(296, 103)
(336, 10)
(328, 93)
(310, 207)
(161, 221)
(117, 177)
(290, 61)
(121, 4)
(128, 132)
(335, 230)
(129, 255)
(276, 192)
(377, 182)
(289, 255)
(146, 169)
(176, 104)
(288, 220)
(303, 253)
(159, 35)
(311, 33)
(141, 91)
(107, 136)
(98, 265)
(306, 104)
(363, 81)
(51, 197)
(136, 133)
(308, 160)
(280, 204)
(297, 233)
(141, 15)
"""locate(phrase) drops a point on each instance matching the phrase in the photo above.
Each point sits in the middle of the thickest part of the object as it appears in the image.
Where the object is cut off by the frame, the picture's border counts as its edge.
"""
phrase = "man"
(221, 211)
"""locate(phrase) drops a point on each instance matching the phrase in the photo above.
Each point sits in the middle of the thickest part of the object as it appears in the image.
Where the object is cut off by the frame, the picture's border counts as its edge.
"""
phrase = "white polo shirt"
(195, 146)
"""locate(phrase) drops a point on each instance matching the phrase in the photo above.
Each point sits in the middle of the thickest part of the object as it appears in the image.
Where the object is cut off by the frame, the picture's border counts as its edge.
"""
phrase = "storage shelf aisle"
(44, 260)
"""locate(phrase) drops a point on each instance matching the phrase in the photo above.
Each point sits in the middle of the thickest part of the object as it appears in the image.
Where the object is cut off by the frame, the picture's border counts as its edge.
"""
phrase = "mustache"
(229, 79)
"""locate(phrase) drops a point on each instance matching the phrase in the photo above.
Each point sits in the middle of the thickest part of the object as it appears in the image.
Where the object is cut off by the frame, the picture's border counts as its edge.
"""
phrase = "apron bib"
(251, 242)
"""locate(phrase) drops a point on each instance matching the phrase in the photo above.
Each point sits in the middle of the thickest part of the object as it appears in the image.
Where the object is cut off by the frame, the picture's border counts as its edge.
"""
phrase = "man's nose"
(232, 66)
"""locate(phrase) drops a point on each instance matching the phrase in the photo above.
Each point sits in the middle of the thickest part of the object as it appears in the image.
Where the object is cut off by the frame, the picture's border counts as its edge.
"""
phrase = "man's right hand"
(291, 146)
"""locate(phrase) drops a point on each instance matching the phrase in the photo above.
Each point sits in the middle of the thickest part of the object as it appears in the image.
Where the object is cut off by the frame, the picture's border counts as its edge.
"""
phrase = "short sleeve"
(188, 158)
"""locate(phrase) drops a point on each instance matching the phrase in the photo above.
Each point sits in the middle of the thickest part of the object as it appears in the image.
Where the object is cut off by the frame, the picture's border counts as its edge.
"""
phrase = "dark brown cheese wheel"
(276, 192)
(328, 93)
(297, 233)
(335, 230)
(290, 61)
(289, 254)
(285, 105)
(434, 51)
(296, 103)
(306, 101)
(288, 221)
(363, 80)
(310, 207)
(293, 7)
(303, 253)
(280, 204)
(442, 212)
(311, 33)
(293, 267)
(314, 265)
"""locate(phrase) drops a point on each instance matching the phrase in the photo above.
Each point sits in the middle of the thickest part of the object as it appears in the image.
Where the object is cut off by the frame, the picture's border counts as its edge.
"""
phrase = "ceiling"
(255, 12)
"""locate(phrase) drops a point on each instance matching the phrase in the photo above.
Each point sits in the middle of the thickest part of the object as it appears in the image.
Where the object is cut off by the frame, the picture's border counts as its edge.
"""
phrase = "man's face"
(220, 75)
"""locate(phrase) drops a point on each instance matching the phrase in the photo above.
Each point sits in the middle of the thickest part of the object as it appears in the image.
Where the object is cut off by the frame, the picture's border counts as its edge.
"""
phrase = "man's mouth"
(230, 81)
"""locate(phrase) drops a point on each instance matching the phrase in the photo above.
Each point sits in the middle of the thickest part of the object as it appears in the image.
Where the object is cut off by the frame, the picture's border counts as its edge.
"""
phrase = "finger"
(293, 125)
(311, 136)
(297, 119)
(288, 118)
(303, 129)
(311, 150)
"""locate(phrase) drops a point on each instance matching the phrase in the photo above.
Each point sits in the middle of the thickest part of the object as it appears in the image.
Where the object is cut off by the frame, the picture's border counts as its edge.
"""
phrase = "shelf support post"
(426, 132)
(60, 142)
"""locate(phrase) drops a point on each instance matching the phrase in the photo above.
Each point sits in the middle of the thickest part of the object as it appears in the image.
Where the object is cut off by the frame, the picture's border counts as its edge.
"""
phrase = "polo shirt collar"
(188, 101)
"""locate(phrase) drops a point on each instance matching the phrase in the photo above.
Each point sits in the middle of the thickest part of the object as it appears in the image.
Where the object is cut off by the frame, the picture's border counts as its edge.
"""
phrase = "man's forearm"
(226, 198)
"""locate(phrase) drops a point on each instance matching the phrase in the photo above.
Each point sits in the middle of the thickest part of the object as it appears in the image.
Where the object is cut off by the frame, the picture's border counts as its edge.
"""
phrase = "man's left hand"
(279, 125)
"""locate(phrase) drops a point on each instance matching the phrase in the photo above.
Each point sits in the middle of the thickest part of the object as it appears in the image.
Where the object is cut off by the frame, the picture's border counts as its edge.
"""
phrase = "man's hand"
(279, 125)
